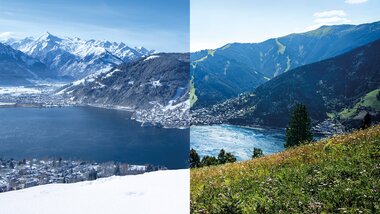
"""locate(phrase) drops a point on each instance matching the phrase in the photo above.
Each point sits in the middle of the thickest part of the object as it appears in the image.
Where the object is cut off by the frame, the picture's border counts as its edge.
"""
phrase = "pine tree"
(299, 129)
(222, 157)
(117, 169)
(257, 153)
(209, 161)
(225, 157)
(230, 158)
(195, 160)
(367, 120)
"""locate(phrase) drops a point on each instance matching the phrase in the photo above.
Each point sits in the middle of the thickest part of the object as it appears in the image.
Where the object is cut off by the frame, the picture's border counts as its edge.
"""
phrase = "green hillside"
(336, 175)
(250, 63)
(370, 100)
(343, 85)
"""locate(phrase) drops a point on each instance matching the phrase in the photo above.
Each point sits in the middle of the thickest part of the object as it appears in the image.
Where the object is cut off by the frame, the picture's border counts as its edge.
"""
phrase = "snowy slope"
(19, 68)
(156, 192)
(155, 88)
(77, 57)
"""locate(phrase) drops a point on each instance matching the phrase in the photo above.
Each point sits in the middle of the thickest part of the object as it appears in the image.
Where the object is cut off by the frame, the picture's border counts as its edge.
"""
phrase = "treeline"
(298, 132)
(222, 158)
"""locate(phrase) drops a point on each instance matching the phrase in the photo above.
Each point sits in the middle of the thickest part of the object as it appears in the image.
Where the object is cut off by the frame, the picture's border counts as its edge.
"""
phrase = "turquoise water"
(208, 140)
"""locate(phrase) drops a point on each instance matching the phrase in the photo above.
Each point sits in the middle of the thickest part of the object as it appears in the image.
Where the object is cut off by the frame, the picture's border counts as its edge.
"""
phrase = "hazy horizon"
(151, 24)
(256, 21)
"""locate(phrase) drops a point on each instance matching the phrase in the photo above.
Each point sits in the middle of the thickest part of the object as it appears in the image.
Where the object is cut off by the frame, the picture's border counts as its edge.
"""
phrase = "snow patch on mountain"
(77, 57)
(151, 57)
(155, 90)
(15, 91)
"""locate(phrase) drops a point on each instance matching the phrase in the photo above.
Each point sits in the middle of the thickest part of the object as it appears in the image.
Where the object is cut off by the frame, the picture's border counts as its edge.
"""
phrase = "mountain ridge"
(326, 87)
(155, 88)
(271, 58)
(19, 68)
(75, 57)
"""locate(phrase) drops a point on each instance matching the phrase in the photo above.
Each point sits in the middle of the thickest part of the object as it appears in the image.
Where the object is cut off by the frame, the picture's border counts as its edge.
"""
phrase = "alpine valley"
(61, 71)
(333, 70)
(99, 108)
(236, 68)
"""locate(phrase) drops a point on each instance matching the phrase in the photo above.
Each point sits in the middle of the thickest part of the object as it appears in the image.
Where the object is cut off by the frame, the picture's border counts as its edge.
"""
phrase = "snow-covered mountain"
(75, 57)
(19, 68)
(155, 192)
(155, 88)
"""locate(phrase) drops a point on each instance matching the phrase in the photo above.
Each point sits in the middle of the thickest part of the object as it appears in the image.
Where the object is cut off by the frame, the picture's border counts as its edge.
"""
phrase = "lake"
(90, 134)
(209, 140)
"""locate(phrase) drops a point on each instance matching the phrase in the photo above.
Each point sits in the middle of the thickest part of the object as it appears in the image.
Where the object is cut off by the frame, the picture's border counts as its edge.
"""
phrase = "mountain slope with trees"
(240, 67)
(156, 88)
(17, 68)
(326, 88)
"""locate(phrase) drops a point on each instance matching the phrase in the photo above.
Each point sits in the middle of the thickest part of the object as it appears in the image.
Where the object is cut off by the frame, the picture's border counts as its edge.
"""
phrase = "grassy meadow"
(335, 175)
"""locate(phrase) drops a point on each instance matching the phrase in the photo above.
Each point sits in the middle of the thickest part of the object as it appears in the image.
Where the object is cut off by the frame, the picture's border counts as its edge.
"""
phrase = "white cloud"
(330, 13)
(332, 20)
(6, 35)
(355, 1)
(329, 17)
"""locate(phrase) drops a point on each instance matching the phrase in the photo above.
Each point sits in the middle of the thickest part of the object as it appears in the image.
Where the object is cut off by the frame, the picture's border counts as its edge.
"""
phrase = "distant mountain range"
(19, 68)
(340, 87)
(155, 88)
(240, 67)
(76, 58)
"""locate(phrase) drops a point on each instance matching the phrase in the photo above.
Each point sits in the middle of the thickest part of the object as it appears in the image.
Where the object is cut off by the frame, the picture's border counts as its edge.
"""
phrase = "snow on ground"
(156, 192)
(110, 74)
(18, 90)
(7, 104)
(156, 83)
(151, 57)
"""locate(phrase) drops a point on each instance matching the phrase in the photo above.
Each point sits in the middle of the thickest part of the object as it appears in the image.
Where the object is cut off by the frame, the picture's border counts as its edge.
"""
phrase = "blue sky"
(161, 25)
(217, 22)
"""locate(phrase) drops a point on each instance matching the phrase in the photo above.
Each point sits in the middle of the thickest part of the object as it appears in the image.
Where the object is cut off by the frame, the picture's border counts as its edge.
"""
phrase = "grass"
(209, 53)
(287, 64)
(330, 115)
(320, 31)
(226, 46)
(193, 96)
(336, 175)
(369, 100)
(281, 47)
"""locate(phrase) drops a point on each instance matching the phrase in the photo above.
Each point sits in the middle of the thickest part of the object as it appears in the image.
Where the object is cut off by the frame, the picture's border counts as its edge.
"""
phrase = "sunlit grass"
(369, 100)
(281, 47)
(335, 175)
(193, 96)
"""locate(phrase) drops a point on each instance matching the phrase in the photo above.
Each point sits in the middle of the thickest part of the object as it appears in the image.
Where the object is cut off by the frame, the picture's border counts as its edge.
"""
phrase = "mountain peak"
(144, 51)
(46, 34)
(49, 36)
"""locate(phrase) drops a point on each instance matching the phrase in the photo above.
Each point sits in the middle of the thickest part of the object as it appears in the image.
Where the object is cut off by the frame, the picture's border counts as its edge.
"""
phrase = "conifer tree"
(366, 121)
(209, 161)
(222, 157)
(230, 158)
(257, 153)
(299, 129)
(225, 157)
(195, 160)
